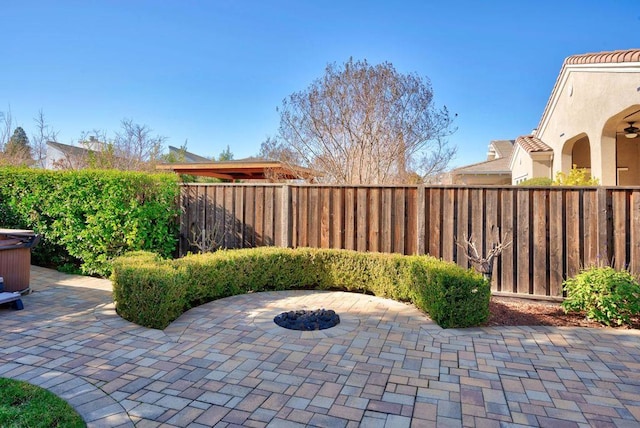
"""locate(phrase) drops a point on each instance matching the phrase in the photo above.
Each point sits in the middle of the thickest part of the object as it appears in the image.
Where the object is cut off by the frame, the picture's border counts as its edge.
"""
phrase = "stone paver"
(227, 364)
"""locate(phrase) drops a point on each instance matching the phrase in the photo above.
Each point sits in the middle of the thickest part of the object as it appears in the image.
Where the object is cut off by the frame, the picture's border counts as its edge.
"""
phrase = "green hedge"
(152, 291)
(87, 218)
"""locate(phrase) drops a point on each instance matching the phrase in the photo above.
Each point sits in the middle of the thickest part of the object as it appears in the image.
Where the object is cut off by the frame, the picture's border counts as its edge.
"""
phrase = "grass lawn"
(26, 405)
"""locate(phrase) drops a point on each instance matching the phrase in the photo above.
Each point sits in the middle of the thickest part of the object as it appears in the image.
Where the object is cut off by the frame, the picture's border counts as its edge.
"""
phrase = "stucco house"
(591, 121)
(494, 170)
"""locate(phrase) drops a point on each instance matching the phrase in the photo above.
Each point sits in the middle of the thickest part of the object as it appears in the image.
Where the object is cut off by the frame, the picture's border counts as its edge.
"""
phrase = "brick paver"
(386, 364)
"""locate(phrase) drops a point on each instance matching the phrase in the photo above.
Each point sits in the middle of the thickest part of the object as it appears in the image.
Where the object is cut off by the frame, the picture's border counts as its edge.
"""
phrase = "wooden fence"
(554, 231)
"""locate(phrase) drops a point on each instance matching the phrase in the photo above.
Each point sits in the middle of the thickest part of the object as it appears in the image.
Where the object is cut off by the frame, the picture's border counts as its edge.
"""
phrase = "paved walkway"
(227, 364)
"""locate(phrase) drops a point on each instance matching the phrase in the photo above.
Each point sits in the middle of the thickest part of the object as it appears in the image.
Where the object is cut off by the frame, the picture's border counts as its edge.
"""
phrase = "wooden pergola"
(241, 170)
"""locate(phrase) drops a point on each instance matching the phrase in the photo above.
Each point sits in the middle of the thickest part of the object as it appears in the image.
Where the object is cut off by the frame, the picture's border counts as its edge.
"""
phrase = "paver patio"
(227, 364)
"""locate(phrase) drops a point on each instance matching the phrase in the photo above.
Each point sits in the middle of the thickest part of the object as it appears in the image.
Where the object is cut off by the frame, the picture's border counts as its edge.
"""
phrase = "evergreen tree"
(18, 148)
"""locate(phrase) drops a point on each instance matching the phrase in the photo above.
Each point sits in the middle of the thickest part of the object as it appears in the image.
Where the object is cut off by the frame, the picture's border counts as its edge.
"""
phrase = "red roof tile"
(631, 55)
(610, 57)
(532, 144)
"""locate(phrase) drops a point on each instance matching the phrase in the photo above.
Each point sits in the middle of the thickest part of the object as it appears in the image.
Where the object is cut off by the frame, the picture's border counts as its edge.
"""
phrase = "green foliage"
(86, 218)
(607, 295)
(26, 405)
(576, 177)
(17, 150)
(152, 291)
(536, 181)
(225, 155)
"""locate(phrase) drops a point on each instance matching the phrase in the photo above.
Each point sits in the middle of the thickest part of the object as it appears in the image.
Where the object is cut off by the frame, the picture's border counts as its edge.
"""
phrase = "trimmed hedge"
(152, 291)
(88, 217)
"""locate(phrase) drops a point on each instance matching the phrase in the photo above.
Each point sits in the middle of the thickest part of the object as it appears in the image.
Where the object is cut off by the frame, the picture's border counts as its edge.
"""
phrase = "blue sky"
(213, 72)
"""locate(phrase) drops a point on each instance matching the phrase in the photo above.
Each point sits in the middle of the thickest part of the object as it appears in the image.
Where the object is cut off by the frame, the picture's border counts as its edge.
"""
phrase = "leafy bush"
(88, 217)
(576, 177)
(607, 295)
(152, 291)
(536, 181)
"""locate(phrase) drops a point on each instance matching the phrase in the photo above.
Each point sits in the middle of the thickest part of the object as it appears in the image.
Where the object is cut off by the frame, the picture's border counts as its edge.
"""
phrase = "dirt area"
(510, 312)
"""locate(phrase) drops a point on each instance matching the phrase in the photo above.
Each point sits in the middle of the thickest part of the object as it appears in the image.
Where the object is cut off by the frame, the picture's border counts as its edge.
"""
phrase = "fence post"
(421, 227)
(604, 235)
(285, 215)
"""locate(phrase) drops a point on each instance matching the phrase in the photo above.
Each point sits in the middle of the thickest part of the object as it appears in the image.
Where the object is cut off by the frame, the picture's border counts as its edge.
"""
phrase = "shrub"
(607, 295)
(576, 177)
(536, 181)
(88, 217)
(152, 291)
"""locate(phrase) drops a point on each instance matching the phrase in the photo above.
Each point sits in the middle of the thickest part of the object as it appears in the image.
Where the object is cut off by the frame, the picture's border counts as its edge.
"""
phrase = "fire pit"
(319, 319)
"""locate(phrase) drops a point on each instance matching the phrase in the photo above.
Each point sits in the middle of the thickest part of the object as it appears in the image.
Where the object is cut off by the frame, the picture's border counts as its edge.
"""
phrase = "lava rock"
(319, 319)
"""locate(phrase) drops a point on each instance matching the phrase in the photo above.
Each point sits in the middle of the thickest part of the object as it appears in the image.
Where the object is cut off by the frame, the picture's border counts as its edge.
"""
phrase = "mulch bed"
(505, 311)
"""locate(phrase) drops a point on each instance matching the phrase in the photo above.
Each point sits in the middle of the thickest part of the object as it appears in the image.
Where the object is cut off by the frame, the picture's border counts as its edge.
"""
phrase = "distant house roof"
(69, 150)
(241, 169)
(503, 148)
(532, 144)
(497, 166)
(188, 156)
(491, 167)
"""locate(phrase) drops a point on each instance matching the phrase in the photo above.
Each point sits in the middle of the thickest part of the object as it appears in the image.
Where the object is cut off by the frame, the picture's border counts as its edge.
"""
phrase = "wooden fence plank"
(374, 209)
(337, 217)
(556, 242)
(492, 231)
(386, 219)
(590, 232)
(507, 231)
(269, 217)
(539, 239)
(619, 199)
(411, 220)
(524, 242)
(325, 217)
(447, 221)
(350, 218)
(435, 222)
(398, 223)
(573, 260)
(238, 214)
(462, 229)
(314, 211)
(361, 218)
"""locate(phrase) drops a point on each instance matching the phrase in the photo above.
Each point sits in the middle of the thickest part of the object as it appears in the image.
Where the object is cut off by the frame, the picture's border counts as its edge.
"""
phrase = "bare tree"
(6, 130)
(44, 134)
(135, 147)
(363, 124)
(484, 263)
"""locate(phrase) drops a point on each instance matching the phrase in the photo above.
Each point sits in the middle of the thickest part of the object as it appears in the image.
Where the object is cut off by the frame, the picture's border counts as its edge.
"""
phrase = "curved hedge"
(152, 291)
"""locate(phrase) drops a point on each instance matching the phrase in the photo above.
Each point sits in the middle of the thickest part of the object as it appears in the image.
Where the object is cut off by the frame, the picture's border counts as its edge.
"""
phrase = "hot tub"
(15, 258)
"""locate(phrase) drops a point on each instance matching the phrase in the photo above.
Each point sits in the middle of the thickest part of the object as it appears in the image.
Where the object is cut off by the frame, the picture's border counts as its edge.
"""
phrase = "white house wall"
(586, 98)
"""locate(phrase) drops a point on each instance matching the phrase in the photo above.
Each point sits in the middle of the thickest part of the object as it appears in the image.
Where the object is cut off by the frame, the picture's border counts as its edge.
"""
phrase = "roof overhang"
(240, 170)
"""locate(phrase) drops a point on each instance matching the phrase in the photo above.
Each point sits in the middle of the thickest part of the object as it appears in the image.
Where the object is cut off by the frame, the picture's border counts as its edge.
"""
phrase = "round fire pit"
(319, 319)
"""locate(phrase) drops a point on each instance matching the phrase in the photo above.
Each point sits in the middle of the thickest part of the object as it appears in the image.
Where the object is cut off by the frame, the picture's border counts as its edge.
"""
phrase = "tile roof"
(606, 57)
(188, 156)
(69, 150)
(631, 55)
(532, 144)
(496, 166)
(503, 147)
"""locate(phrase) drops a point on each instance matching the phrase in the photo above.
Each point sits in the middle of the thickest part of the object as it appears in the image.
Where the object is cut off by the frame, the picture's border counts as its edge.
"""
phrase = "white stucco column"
(603, 161)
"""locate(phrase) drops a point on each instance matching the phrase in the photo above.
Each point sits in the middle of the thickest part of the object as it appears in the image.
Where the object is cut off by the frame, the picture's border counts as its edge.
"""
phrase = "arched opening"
(627, 150)
(576, 151)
